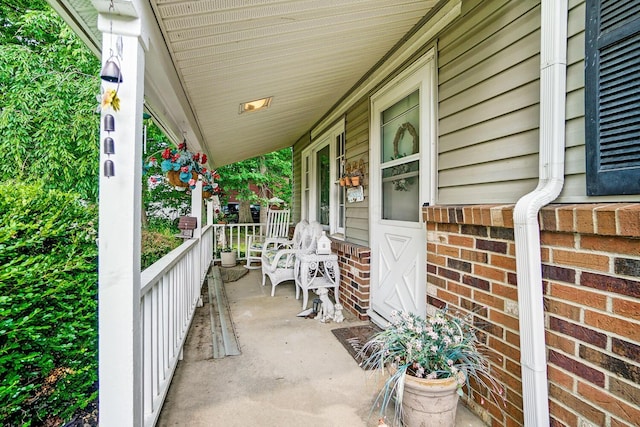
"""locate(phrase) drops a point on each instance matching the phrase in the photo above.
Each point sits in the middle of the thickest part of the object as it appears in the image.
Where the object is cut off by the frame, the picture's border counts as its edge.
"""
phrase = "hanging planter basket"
(174, 179)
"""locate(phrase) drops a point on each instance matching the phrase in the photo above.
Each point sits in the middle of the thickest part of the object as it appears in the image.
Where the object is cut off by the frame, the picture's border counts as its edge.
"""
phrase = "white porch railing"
(236, 236)
(206, 251)
(170, 291)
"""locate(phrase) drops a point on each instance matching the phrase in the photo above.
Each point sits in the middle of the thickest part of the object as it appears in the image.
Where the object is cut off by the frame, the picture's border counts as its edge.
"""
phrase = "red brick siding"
(354, 261)
(591, 281)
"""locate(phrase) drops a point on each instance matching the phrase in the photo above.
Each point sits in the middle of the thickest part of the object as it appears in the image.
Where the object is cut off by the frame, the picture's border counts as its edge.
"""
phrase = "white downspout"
(553, 65)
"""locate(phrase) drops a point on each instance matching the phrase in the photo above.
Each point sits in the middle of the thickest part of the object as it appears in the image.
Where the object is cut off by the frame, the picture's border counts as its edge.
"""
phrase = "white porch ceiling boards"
(306, 54)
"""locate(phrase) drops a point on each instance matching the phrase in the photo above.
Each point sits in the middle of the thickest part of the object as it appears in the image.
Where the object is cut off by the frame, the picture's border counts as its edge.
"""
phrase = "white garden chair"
(277, 227)
(278, 257)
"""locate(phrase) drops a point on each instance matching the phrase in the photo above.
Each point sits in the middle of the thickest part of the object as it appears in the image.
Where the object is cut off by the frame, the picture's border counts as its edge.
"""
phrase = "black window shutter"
(612, 97)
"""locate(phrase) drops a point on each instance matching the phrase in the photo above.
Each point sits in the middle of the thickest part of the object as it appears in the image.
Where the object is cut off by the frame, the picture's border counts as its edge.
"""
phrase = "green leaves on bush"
(156, 244)
(48, 304)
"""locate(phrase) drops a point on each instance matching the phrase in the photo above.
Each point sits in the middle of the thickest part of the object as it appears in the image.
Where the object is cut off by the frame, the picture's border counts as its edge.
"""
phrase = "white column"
(209, 212)
(196, 208)
(120, 348)
(196, 211)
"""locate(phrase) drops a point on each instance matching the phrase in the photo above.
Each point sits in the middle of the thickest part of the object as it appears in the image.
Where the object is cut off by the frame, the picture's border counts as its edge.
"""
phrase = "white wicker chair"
(278, 257)
(277, 227)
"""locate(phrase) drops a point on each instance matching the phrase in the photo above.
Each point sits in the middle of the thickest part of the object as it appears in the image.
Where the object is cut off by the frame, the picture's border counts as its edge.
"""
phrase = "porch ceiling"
(306, 54)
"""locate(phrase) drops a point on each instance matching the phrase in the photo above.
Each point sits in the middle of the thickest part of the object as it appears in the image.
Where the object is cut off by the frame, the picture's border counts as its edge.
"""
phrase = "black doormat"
(355, 337)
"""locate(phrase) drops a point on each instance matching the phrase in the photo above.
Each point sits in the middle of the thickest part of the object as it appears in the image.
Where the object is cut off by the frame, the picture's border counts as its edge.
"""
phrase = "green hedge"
(48, 305)
(155, 245)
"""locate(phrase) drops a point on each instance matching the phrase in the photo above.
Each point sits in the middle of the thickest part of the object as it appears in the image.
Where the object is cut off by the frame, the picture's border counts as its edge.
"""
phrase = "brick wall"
(354, 261)
(591, 269)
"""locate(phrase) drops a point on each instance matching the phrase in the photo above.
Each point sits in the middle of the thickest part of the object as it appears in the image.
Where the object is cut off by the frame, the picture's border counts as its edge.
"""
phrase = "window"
(612, 97)
(400, 159)
(342, 191)
(323, 163)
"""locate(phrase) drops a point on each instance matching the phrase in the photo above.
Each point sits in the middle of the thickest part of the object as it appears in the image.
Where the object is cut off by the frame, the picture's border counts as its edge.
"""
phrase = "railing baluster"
(168, 298)
(169, 294)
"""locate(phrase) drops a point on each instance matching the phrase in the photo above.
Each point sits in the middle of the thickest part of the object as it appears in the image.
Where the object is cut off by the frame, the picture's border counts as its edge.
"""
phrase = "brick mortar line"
(551, 217)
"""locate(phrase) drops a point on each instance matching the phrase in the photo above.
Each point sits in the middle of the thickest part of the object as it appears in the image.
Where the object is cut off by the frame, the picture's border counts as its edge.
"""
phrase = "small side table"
(313, 271)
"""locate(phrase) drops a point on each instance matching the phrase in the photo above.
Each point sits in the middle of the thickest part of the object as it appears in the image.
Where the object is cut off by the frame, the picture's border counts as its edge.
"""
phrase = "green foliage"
(271, 173)
(158, 239)
(48, 304)
(48, 86)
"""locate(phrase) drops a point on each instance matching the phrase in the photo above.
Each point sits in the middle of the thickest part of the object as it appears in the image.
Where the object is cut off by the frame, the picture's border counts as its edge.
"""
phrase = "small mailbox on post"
(187, 224)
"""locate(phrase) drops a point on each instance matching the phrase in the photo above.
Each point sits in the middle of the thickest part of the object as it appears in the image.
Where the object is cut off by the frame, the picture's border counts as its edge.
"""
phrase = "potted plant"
(427, 359)
(182, 166)
(221, 218)
(228, 257)
(355, 177)
(354, 173)
(209, 187)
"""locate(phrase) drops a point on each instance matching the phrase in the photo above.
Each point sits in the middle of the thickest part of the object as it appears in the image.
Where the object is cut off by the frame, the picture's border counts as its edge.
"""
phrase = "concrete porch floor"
(292, 370)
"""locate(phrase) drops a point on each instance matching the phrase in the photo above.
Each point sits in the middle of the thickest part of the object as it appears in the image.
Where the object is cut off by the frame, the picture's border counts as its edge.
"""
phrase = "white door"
(402, 135)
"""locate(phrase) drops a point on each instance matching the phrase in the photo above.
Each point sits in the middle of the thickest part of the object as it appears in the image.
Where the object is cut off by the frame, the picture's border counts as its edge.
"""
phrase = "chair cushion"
(283, 262)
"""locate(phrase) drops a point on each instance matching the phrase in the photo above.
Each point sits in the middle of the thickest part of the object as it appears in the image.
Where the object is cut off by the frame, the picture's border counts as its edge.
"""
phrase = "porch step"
(225, 341)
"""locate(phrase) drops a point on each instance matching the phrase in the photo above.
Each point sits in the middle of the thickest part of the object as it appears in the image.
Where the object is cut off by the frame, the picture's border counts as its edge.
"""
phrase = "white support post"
(120, 346)
(196, 211)
(209, 212)
(196, 208)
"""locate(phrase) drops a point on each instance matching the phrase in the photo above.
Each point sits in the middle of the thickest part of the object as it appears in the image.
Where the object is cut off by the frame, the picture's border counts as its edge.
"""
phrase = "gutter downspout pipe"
(553, 65)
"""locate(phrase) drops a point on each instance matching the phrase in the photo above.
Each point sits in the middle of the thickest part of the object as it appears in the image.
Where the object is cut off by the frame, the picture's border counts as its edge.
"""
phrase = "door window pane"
(324, 183)
(400, 168)
(341, 193)
(400, 129)
(400, 192)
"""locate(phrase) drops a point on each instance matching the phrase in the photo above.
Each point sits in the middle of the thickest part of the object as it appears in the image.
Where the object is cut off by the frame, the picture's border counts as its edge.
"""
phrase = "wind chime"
(111, 74)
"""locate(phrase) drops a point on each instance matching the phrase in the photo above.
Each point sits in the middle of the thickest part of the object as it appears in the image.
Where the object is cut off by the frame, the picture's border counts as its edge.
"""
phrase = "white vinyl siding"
(489, 104)
(575, 189)
(357, 148)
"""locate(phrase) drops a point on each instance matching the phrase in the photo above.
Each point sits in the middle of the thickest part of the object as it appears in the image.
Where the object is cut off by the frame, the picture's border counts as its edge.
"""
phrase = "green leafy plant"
(48, 81)
(256, 180)
(442, 346)
(156, 244)
(48, 304)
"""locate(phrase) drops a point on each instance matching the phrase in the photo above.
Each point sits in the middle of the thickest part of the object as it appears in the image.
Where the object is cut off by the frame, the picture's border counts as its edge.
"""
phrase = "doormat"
(355, 337)
(231, 274)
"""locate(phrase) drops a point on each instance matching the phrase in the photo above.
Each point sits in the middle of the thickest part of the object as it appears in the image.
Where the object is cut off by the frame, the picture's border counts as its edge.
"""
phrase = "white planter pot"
(430, 402)
(228, 259)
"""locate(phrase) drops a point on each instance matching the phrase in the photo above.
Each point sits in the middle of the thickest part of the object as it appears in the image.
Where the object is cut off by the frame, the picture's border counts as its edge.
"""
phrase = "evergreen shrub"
(48, 305)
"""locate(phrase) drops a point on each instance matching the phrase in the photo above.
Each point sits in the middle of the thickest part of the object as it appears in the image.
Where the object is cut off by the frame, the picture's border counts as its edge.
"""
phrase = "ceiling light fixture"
(258, 104)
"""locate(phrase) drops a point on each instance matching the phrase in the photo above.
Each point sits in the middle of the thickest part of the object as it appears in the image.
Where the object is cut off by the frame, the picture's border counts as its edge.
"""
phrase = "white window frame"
(310, 197)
